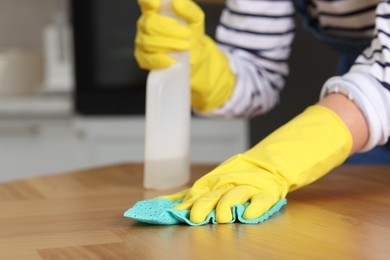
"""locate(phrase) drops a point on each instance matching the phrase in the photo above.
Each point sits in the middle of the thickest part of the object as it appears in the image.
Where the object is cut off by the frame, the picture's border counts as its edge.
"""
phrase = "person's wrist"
(351, 116)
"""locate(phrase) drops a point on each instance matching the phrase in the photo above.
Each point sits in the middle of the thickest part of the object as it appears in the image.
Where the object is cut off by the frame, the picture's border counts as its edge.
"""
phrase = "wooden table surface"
(345, 215)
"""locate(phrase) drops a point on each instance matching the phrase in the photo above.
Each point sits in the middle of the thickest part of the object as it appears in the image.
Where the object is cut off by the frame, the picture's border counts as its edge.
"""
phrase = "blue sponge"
(159, 211)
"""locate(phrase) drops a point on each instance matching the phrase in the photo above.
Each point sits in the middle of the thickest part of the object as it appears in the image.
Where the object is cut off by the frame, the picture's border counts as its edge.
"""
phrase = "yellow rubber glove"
(212, 80)
(295, 155)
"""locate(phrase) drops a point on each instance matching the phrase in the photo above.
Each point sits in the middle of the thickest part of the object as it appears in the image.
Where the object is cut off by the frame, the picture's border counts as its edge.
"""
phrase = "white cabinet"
(31, 147)
(35, 147)
(112, 140)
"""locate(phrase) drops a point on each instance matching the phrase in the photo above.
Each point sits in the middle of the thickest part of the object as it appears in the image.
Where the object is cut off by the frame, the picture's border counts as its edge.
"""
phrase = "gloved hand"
(212, 80)
(295, 155)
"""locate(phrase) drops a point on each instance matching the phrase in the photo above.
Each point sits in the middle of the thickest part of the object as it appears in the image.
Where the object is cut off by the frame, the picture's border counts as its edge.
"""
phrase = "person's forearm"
(351, 115)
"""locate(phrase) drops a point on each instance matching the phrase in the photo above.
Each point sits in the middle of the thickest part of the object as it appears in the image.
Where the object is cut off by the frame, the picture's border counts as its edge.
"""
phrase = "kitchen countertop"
(78, 215)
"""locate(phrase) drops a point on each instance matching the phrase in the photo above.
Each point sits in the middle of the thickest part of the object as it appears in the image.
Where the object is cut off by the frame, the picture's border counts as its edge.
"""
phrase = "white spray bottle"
(168, 116)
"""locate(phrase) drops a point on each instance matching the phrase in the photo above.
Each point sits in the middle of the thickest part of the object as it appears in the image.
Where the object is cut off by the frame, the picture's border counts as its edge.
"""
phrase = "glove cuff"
(212, 79)
(306, 148)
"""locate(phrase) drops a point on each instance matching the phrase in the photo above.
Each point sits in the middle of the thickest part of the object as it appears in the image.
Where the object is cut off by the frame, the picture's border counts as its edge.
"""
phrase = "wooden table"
(345, 215)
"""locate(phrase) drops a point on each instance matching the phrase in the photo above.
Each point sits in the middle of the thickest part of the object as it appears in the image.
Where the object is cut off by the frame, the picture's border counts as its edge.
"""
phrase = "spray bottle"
(168, 118)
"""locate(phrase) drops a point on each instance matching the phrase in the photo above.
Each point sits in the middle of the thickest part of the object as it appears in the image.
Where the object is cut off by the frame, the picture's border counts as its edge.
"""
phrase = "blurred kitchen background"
(72, 97)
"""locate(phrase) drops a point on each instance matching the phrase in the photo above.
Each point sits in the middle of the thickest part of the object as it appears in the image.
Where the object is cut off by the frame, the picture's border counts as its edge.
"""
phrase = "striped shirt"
(353, 18)
(256, 36)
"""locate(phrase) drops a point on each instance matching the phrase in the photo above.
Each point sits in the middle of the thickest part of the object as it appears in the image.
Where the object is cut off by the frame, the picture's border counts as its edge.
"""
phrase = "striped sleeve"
(256, 36)
(368, 81)
(345, 18)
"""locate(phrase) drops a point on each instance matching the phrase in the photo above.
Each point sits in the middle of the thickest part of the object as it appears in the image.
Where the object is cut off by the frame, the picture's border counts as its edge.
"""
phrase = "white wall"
(21, 22)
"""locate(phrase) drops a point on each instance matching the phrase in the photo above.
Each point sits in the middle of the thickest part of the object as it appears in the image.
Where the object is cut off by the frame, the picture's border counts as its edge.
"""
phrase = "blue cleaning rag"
(159, 211)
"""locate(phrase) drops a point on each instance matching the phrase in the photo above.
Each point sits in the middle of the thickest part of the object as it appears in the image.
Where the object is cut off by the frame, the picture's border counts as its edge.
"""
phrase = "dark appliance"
(108, 79)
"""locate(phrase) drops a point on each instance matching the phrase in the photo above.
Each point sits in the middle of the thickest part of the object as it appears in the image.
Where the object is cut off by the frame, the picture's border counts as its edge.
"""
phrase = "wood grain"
(78, 215)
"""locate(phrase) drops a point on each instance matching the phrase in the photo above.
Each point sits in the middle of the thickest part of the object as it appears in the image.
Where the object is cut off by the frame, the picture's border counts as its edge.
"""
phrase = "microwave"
(108, 80)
